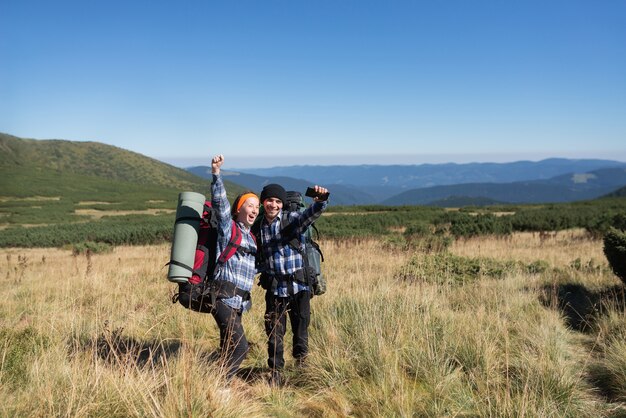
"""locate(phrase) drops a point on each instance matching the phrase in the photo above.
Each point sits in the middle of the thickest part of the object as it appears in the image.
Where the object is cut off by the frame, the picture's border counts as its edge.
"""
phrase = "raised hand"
(322, 193)
(216, 163)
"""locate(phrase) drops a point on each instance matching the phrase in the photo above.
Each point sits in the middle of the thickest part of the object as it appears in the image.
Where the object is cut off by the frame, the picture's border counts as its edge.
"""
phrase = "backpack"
(202, 291)
(312, 256)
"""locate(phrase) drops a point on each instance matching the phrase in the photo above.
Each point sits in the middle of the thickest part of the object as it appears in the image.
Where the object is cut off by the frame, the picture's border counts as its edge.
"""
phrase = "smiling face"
(272, 206)
(248, 211)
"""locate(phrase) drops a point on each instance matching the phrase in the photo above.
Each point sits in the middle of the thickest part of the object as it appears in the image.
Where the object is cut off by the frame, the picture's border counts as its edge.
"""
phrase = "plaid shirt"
(282, 259)
(240, 268)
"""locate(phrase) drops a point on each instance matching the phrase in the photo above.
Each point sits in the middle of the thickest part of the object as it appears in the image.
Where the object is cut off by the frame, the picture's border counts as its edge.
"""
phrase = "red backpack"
(202, 290)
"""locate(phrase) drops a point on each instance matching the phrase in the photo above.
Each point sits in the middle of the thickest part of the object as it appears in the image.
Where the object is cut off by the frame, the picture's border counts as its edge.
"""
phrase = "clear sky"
(319, 82)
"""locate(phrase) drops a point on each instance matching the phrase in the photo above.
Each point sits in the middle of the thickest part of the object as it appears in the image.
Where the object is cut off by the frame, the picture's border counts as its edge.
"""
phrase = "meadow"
(526, 324)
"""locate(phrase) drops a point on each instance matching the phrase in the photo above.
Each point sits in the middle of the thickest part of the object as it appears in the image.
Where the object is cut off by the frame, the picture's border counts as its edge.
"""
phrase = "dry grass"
(97, 214)
(97, 335)
(559, 249)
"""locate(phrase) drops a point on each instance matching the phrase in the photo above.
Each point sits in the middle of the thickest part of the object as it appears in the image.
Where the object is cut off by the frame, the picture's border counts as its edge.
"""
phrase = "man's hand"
(322, 193)
(216, 163)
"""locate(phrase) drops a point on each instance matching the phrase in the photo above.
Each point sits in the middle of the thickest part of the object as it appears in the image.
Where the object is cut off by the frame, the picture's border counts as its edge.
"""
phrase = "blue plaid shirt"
(240, 268)
(282, 259)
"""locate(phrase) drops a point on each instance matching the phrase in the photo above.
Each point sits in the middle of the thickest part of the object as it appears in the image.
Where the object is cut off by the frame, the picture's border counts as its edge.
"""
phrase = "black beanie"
(274, 190)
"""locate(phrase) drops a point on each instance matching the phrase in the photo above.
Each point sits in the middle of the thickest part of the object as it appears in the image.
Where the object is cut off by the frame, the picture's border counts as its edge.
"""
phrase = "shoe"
(301, 362)
(224, 392)
(276, 379)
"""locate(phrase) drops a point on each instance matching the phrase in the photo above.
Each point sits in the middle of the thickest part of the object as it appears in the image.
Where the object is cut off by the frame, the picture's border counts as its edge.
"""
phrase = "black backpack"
(312, 256)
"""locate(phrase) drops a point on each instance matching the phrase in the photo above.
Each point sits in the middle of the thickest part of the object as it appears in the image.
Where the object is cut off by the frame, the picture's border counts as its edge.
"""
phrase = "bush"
(18, 347)
(615, 252)
(120, 230)
(466, 225)
(451, 269)
(91, 247)
(537, 267)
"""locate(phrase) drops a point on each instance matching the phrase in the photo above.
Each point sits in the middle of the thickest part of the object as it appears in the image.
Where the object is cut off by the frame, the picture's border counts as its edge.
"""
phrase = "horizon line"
(246, 162)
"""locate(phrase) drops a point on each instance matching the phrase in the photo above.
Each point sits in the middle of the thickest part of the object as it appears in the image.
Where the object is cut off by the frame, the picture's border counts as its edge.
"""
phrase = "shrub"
(466, 225)
(18, 346)
(91, 247)
(449, 268)
(615, 252)
(537, 267)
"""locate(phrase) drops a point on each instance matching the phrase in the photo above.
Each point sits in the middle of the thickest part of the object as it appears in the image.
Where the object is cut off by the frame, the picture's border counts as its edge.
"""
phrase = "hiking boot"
(276, 379)
(301, 362)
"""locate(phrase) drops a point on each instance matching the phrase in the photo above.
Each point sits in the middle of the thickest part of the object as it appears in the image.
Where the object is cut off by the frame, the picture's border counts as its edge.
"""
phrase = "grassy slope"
(91, 159)
(74, 172)
(621, 192)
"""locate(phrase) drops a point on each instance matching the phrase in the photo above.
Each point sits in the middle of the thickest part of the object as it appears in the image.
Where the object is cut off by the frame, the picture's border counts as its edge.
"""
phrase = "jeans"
(298, 308)
(233, 343)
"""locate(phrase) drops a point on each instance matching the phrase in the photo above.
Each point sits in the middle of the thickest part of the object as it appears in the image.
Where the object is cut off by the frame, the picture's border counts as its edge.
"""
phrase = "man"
(284, 276)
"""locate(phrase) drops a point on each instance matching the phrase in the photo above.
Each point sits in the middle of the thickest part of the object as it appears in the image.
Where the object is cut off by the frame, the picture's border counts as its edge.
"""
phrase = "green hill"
(91, 159)
(55, 182)
(621, 192)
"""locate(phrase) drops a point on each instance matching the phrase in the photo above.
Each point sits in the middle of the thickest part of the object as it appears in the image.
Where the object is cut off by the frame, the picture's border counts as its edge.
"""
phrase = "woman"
(239, 270)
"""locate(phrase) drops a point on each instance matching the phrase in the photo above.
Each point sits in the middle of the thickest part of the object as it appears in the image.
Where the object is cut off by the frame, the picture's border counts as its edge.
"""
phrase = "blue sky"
(319, 82)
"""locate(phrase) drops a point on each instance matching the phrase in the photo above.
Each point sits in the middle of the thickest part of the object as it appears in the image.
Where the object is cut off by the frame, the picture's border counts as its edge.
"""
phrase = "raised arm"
(219, 200)
(307, 217)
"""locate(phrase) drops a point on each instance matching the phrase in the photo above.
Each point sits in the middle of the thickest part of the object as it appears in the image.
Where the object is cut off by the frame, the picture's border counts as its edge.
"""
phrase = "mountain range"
(59, 167)
(550, 180)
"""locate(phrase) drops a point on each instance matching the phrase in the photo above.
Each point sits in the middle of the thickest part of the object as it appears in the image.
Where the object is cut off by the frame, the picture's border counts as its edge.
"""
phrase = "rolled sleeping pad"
(188, 215)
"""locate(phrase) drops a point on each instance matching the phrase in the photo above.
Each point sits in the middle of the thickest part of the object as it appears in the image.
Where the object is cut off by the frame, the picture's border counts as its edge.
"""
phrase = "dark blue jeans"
(298, 308)
(233, 343)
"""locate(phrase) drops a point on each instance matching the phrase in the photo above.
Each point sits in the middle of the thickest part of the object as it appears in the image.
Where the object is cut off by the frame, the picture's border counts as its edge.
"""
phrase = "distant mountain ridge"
(551, 180)
(564, 188)
(621, 192)
(54, 167)
(404, 177)
(341, 195)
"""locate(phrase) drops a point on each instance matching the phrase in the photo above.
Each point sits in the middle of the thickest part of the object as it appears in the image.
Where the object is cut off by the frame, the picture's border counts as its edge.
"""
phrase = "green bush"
(537, 267)
(18, 346)
(449, 268)
(91, 247)
(119, 230)
(615, 252)
(467, 225)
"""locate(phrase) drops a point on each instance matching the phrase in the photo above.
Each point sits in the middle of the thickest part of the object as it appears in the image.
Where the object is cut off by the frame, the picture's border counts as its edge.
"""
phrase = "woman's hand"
(216, 163)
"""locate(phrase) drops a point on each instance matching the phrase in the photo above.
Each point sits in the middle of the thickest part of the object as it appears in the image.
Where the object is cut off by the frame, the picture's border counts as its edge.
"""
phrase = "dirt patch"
(497, 214)
(155, 201)
(29, 199)
(5, 226)
(352, 213)
(93, 202)
(97, 214)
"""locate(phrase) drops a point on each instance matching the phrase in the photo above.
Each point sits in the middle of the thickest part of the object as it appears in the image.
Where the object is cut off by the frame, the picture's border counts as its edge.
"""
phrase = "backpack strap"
(289, 233)
(202, 262)
(290, 236)
(234, 246)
